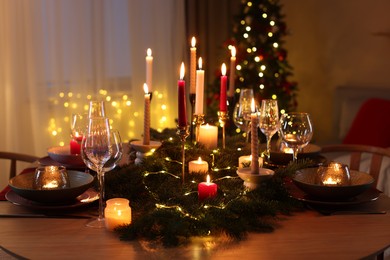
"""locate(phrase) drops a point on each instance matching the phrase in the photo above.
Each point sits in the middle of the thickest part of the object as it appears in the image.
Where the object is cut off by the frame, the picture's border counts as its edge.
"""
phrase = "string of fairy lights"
(124, 114)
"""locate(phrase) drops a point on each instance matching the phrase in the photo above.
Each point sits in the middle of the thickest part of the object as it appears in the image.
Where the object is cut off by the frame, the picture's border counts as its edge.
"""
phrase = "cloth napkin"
(8, 188)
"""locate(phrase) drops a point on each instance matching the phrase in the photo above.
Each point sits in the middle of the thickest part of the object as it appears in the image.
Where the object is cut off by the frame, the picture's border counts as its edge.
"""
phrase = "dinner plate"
(371, 194)
(84, 199)
(49, 161)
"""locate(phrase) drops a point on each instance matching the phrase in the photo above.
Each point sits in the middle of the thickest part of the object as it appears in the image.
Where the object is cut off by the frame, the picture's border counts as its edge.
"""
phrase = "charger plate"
(369, 195)
(88, 197)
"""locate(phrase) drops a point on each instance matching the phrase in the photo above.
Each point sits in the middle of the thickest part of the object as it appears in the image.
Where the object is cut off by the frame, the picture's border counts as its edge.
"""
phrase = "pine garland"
(167, 212)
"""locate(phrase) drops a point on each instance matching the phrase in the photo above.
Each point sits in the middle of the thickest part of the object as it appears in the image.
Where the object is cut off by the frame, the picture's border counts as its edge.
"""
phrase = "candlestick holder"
(198, 121)
(192, 101)
(223, 117)
(182, 132)
(143, 150)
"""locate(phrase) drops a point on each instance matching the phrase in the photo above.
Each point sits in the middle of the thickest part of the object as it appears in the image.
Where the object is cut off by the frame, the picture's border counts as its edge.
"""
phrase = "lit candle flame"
(182, 71)
(208, 178)
(253, 107)
(223, 69)
(146, 89)
(200, 63)
(233, 51)
(193, 42)
(149, 52)
(199, 160)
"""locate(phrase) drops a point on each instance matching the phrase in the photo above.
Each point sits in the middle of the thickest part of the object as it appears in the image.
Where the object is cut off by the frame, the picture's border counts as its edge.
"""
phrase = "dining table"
(316, 231)
(304, 234)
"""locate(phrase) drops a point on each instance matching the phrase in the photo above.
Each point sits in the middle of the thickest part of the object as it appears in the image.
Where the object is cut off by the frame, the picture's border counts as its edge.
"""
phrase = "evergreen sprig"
(167, 212)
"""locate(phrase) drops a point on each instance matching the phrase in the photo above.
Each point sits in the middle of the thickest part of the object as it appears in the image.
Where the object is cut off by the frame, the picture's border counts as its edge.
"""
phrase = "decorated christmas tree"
(261, 62)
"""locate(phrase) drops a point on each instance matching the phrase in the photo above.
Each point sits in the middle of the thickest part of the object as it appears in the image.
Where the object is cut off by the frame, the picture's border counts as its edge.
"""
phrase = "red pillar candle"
(223, 100)
(207, 189)
(75, 147)
(182, 98)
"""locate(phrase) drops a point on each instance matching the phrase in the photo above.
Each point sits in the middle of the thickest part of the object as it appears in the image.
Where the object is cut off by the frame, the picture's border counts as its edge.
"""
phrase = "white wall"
(336, 43)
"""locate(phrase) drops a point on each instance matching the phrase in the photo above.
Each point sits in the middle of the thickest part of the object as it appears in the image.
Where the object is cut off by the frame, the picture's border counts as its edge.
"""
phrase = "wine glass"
(96, 109)
(242, 111)
(296, 130)
(117, 152)
(96, 146)
(269, 120)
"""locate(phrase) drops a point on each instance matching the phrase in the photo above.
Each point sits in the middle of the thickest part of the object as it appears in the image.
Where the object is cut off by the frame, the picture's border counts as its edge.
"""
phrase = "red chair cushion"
(371, 126)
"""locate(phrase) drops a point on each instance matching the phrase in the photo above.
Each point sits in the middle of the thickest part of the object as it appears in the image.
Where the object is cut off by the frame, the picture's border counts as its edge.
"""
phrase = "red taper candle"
(223, 99)
(182, 98)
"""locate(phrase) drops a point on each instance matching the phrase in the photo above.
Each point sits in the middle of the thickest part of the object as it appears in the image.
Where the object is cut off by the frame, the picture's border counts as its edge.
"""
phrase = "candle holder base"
(198, 121)
(253, 181)
(143, 150)
(223, 117)
(183, 132)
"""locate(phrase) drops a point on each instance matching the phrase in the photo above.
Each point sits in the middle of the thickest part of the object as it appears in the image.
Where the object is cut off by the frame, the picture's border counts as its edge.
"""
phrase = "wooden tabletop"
(304, 235)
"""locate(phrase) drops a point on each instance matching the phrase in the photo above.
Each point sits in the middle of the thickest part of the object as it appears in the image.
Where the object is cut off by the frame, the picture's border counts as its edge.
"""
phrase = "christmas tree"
(261, 62)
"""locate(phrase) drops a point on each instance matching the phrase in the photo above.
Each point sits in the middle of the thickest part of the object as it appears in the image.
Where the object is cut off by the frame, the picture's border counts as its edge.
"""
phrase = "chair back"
(16, 157)
(356, 152)
(371, 125)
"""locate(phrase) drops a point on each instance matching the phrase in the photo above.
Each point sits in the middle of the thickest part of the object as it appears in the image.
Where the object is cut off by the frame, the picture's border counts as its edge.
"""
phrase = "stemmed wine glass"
(117, 151)
(96, 109)
(269, 121)
(296, 130)
(96, 146)
(242, 111)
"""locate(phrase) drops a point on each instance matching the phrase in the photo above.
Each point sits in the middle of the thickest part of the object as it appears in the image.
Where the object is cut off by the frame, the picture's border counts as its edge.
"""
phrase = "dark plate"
(84, 199)
(309, 151)
(79, 182)
(305, 179)
(371, 194)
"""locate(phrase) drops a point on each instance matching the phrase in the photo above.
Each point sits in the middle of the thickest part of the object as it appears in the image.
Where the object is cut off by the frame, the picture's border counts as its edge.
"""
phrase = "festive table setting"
(197, 190)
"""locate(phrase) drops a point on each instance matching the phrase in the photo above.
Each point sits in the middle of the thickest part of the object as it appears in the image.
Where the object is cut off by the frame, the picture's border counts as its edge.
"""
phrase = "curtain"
(56, 55)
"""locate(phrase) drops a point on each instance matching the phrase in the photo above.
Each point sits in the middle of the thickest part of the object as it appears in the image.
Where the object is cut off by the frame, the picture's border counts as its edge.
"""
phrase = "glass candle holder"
(334, 174)
(117, 213)
(50, 178)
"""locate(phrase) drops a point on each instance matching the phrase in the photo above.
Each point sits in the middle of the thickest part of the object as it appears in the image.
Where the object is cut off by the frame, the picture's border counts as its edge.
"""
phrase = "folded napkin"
(8, 188)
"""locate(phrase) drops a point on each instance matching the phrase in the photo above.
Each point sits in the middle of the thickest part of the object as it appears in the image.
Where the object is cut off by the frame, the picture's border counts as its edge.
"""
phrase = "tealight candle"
(117, 213)
(198, 166)
(207, 189)
(51, 178)
(208, 136)
(334, 174)
(245, 161)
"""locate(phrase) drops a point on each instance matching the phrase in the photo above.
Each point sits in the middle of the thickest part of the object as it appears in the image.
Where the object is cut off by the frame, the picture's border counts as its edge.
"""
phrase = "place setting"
(72, 176)
(333, 188)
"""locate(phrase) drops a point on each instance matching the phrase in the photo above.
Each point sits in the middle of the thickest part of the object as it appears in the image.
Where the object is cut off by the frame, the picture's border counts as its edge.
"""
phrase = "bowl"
(79, 182)
(306, 180)
(62, 155)
(252, 181)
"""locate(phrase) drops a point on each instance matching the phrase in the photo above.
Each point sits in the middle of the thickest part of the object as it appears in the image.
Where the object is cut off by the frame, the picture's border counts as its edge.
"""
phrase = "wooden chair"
(14, 158)
(356, 152)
